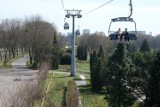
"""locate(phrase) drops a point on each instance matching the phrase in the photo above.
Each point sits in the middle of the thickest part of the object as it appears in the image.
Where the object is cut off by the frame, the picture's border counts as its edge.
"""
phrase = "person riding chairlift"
(126, 35)
(118, 33)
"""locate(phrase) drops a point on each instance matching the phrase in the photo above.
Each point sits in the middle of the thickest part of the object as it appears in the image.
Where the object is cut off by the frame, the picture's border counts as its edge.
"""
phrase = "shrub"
(69, 50)
(72, 97)
(66, 59)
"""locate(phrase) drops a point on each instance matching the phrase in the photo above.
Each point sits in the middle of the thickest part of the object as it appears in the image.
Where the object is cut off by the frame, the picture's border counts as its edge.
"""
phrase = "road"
(10, 79)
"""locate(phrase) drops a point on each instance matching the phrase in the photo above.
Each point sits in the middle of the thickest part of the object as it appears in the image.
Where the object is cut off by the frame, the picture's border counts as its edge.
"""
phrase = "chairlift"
(77, 32)
(113, 36)
(66, 26)
(132, 36)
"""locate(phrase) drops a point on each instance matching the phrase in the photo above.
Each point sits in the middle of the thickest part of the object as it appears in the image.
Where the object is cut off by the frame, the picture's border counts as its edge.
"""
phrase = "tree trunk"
(5, 59)
(13, 52)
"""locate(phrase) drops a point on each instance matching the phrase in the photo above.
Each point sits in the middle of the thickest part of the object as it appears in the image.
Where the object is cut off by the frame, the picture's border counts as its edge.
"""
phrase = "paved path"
(11, 78)
(81, 82)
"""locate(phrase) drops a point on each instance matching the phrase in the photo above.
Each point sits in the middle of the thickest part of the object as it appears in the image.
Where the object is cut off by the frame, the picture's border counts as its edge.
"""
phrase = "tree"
(97, 70)
(94, 41)
(55, 54)
(153, 95)
(117, 78)
(38, 34)
(145, 46)
(93, 62)
(141, 76)
(65, 59)
(131, 48)
(82, 53)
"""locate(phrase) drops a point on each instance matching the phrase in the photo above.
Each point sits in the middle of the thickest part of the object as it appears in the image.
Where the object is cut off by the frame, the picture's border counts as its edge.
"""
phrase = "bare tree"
(39, 37)
(95, 40)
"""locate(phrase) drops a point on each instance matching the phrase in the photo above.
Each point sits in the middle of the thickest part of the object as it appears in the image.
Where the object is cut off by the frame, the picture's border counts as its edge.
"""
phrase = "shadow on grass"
(88, 90)
(62, 77)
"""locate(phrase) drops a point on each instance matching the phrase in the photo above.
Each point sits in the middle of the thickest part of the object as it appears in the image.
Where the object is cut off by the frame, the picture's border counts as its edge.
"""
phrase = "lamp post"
(73, 13)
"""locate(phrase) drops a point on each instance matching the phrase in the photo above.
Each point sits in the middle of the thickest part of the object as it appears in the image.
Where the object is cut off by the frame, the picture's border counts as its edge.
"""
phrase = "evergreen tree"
(91, 67)
(153, 96)
(97, 70)
(141, 76)
(145, 46)
(131, 48)
(101, 53)
(55, 54)
(93, 63)
(85, 53)
(78, 52)
(119, 66)
(82, 53)
(65, 59)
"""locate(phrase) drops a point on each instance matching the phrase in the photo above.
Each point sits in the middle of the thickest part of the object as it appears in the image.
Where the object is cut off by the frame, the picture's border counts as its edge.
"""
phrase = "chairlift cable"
(97, 7)
(63, 6)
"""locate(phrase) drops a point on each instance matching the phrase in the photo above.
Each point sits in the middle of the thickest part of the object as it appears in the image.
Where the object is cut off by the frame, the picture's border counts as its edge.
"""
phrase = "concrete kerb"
(81, 82)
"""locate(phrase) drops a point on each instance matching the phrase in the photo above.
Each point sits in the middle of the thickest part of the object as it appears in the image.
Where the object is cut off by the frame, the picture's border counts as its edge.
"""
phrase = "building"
(86, 31)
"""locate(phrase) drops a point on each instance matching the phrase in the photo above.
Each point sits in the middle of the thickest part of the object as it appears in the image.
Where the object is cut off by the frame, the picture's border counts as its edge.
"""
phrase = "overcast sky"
(146, 13)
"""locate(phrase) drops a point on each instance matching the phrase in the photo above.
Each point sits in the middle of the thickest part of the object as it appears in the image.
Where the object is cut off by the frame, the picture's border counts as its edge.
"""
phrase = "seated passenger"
(126, 35)
(118, 33)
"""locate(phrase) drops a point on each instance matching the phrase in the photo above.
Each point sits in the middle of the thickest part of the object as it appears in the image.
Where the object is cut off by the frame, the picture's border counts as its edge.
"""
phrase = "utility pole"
(73, 13)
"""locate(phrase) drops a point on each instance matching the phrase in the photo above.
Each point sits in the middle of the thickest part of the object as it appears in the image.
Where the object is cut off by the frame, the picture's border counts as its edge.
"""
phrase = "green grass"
(83, 67)
(65, 68)
(91, 99)
(57, 88)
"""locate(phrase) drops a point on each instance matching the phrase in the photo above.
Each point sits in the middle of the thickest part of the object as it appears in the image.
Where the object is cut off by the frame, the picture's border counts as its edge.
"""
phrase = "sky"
(146, 13)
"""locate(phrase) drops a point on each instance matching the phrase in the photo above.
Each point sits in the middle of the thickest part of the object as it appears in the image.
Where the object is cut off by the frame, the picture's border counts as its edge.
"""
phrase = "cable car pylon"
(73, 13)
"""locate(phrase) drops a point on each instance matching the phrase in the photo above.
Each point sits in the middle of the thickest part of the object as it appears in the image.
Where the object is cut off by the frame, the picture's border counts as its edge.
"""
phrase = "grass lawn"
(55, 95)
(90, 99)
(83, 65)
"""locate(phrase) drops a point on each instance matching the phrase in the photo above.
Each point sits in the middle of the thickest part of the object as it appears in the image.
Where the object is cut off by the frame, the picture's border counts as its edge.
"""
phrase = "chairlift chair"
(132, 36)
(113, 36)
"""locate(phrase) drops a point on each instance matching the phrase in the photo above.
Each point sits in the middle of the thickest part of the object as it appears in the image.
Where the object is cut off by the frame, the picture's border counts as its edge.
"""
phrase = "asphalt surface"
(10, 79)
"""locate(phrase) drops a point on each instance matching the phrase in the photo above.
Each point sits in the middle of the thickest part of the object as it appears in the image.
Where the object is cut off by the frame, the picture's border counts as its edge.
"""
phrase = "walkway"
(11, 78)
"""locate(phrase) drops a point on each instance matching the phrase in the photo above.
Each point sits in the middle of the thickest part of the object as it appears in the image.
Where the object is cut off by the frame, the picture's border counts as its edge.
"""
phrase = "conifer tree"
(97, 70)
(153, 96)
(55, 54)
(93, 63)
(82, 53)
(145, 46)
(117, 78)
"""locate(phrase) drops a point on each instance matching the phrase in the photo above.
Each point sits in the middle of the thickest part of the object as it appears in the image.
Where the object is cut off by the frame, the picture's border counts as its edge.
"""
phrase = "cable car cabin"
(77, 32)
(114, 36)
(66, 26)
